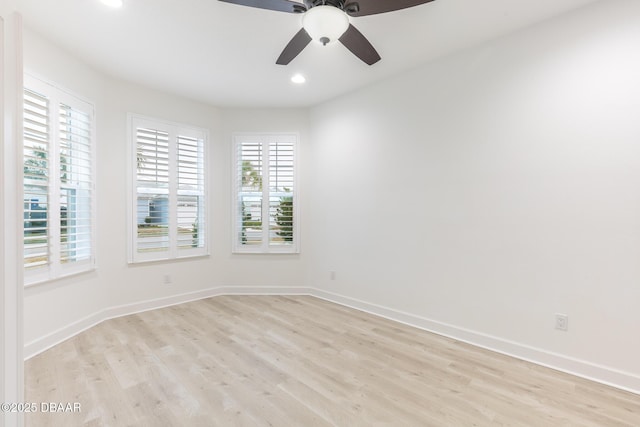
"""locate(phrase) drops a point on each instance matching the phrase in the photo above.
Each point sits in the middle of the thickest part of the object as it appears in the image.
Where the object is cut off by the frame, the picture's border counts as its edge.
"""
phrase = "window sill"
(37, 282)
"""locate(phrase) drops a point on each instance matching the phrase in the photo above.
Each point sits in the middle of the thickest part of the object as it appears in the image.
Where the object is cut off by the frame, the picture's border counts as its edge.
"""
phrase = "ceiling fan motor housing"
(348, 6)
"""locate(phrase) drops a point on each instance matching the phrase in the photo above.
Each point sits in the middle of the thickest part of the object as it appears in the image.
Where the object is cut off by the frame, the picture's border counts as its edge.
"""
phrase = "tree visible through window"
(265, 197)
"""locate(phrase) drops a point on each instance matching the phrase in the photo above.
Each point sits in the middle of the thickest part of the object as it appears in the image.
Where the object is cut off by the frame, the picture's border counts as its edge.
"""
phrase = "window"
(59, 183)
(168, 207)
(265, 195)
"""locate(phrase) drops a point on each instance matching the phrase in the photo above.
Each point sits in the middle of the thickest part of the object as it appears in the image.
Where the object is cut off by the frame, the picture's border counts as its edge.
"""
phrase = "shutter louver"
(249, 193)
(190, 209)
(76, 185)
(168, 207)
(265, 194)
(281, 187)
(36, 180)
(152, 188)
(58, 183)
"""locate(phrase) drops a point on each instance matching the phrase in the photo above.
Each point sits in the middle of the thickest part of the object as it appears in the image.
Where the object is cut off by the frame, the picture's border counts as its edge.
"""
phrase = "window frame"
(56, 268)
(175, 131)
(265, 139)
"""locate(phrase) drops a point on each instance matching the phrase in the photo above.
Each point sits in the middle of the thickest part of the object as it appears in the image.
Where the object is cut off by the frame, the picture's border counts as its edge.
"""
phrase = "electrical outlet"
(562, 322)
(166, 279)
(332, 275)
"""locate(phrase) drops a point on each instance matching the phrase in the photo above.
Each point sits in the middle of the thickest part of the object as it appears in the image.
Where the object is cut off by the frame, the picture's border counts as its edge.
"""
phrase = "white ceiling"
(224, 54)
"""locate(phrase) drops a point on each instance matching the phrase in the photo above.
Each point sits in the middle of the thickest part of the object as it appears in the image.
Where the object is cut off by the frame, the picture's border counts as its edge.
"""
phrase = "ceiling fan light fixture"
(325, 24)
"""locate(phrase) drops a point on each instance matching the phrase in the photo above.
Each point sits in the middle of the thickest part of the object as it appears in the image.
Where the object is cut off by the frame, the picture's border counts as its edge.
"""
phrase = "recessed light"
(113, 3)
(298, 79)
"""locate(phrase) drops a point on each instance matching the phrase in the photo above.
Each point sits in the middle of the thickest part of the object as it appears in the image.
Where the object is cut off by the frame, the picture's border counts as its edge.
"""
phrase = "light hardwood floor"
(300, 361)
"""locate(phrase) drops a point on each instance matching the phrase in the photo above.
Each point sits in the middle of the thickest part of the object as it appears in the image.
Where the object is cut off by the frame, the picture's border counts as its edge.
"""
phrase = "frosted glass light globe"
(325, 24)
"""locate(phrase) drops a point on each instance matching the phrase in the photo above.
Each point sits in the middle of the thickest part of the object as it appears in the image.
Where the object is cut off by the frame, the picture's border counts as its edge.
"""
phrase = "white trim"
(11, 216)
(44, 343)
(174, 131)
(44, 280)
(265, 139)
(72, 98)
(580, 368)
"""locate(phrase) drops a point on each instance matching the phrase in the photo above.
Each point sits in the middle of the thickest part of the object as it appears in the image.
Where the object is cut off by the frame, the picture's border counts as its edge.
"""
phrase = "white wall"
(484, 192)
(55, 310)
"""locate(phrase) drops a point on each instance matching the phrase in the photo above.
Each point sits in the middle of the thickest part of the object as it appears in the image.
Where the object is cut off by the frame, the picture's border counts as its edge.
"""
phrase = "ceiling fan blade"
(358, 44)
(294, 47)
(372, 7)
(277, 5)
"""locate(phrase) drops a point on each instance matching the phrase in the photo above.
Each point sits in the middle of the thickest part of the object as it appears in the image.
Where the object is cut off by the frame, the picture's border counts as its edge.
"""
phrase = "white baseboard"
(581, 368)
(602, 374)
(41, 344)
(141, 306)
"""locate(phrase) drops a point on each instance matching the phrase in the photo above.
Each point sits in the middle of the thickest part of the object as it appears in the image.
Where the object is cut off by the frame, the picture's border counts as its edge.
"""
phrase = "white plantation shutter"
(249, 193)
(265, 194)
(76, 185)
(152, 190)
(281, 187)
(59, 182)
(168, 215)
(36, 180)
(190, 209)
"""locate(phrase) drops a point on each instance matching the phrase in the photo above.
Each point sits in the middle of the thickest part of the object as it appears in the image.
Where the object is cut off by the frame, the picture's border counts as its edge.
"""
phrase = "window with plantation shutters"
(265, 194)
(168, 203)
(58, 183)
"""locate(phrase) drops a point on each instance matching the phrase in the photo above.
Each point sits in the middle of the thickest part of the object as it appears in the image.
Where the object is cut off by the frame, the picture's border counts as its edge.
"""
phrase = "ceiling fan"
(327, 21)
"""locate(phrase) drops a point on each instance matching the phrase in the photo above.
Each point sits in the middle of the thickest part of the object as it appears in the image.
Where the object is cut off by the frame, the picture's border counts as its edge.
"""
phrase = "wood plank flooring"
(300, 361)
